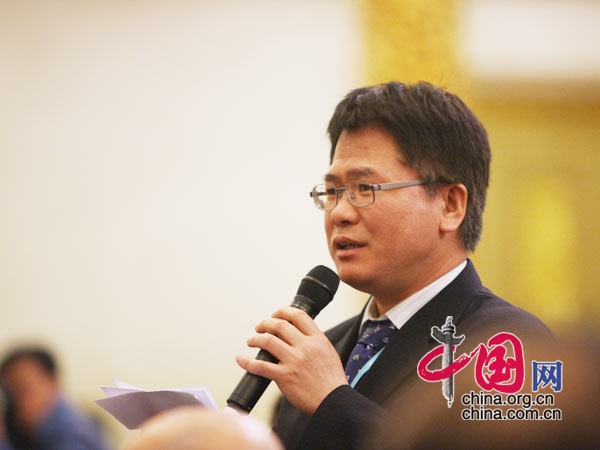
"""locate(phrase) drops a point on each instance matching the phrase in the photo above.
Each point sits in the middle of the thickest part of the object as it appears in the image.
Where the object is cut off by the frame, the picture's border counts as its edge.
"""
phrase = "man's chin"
(355, 279)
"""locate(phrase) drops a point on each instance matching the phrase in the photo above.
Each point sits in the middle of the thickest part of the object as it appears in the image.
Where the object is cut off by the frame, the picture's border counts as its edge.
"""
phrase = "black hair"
(41, 356)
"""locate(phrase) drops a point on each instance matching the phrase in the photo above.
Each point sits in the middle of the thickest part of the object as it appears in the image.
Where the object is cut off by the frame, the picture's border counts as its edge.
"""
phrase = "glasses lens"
(360, 193)
(325, 196)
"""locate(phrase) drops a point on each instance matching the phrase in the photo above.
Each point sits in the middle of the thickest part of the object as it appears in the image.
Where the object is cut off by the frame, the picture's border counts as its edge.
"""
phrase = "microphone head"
(319, 285)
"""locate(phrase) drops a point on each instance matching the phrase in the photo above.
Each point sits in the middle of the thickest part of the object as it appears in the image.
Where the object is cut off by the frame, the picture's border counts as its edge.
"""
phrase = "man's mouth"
(348, 246)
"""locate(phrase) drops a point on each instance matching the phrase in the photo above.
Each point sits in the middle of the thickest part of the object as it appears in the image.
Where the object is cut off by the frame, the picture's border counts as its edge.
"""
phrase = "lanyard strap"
(364, 369)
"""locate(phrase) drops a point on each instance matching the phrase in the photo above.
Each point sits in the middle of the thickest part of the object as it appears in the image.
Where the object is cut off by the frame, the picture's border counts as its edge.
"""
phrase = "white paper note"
(132, 405)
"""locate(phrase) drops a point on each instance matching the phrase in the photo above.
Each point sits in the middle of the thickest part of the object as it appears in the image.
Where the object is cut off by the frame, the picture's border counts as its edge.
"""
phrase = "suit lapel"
(396, 362)
(401, 356)
(345, 344)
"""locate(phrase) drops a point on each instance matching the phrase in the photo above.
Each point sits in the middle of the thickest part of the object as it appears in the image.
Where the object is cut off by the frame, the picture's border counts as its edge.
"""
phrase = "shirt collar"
(404, 310)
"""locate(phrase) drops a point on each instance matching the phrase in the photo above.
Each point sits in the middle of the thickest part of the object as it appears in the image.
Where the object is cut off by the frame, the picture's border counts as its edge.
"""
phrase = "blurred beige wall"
(156, 159)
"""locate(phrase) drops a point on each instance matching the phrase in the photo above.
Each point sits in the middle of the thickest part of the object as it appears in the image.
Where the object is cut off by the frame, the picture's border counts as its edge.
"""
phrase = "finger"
(281, 328)
(270, 343)
(262, 368)
(299, 318)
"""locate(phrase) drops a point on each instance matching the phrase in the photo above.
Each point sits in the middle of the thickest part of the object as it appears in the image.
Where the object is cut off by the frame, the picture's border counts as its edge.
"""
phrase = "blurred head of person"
(29, 378)
(196, 428)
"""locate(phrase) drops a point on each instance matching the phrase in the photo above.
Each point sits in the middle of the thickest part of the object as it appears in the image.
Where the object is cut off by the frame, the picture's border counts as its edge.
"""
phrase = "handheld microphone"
(316, 290)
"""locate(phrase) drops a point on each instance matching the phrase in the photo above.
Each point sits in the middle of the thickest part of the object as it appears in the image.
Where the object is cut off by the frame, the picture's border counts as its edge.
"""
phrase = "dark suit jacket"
(392, 386)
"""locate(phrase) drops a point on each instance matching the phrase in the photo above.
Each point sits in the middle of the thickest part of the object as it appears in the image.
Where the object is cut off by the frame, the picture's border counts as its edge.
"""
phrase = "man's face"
(397, 238)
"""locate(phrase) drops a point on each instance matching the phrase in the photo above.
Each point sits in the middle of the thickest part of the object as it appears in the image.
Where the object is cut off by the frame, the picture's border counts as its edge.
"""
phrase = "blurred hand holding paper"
(132, 405)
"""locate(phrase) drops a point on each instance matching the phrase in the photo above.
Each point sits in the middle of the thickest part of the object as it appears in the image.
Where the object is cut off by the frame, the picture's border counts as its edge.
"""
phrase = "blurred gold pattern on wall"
(547, 253)
(410, 40)
(540, 242)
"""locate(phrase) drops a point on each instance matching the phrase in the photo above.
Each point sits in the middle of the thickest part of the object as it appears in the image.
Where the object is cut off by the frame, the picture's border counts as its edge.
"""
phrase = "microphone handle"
(251, 387)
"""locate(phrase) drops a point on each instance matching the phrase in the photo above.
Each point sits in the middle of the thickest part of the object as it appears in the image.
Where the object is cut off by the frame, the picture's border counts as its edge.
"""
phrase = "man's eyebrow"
(354, 174)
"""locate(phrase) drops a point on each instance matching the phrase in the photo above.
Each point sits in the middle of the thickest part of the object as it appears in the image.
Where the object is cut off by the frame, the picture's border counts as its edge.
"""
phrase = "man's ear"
(454, 197)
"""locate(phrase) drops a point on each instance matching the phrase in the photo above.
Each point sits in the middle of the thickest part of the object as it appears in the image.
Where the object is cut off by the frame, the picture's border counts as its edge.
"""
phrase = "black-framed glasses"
(359, 193)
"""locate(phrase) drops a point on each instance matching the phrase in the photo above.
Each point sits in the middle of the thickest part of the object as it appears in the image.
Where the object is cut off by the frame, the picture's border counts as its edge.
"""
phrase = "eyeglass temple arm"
(400, 184)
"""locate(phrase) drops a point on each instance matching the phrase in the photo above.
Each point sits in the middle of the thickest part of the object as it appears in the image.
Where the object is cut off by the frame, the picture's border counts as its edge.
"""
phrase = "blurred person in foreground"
(37, 415)
(403, 201)
(197, 428)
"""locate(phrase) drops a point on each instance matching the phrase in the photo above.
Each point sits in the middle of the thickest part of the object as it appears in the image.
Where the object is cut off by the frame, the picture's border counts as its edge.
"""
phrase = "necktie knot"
(375, 336)
(377, 333)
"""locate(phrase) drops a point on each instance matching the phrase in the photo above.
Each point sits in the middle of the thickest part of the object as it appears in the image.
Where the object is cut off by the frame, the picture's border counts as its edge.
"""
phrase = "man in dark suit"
(403, 201)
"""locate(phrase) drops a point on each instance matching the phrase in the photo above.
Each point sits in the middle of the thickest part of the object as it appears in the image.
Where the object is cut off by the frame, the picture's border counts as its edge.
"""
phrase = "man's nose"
(344, 211)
